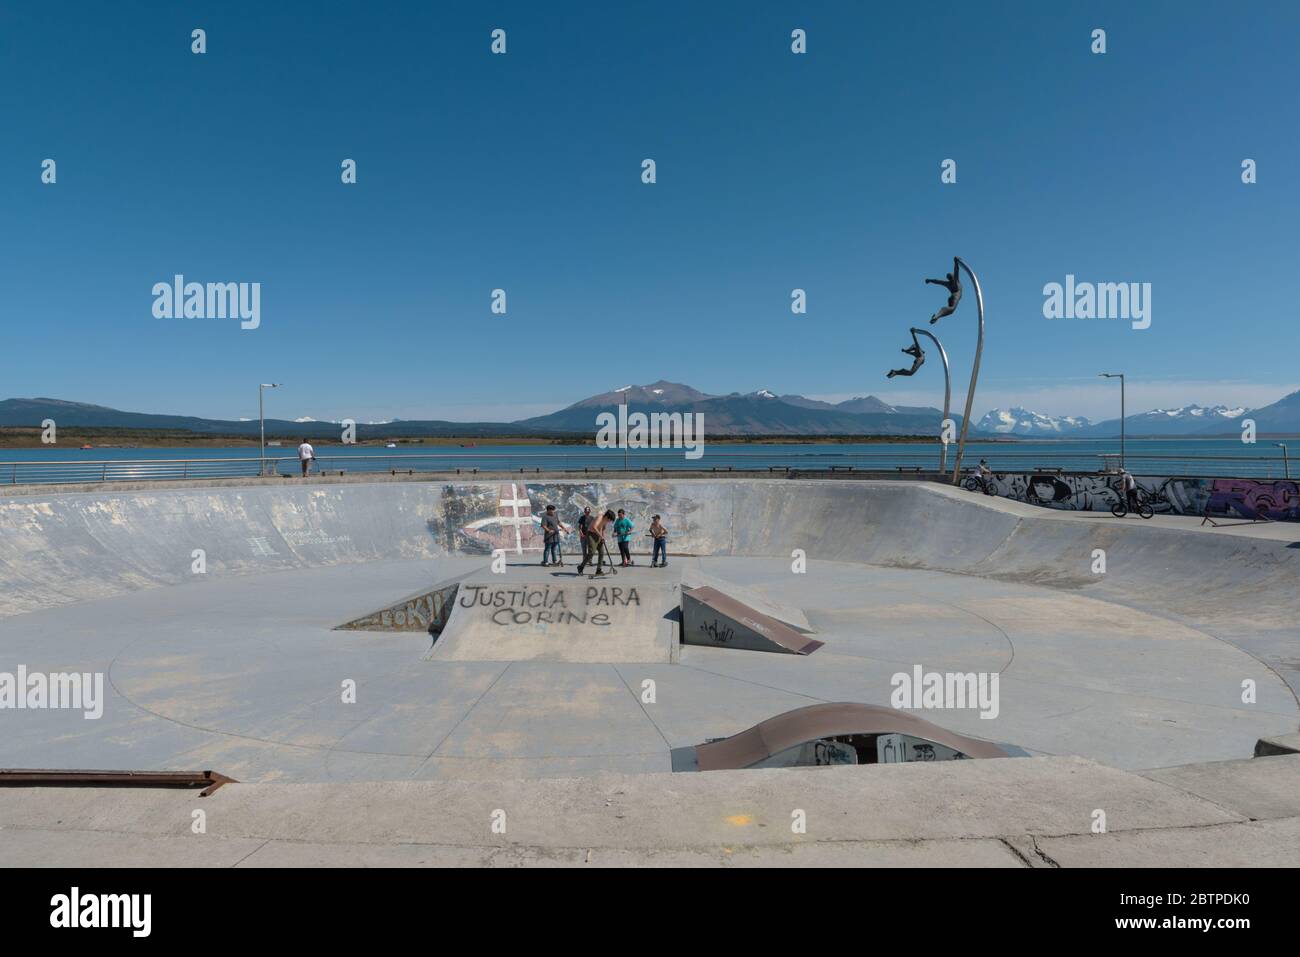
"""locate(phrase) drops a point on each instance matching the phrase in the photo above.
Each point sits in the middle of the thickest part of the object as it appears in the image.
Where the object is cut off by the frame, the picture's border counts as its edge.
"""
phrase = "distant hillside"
(1185, 420)
(1282, 417)
(656, 393)
(759, 413)
(31, 412)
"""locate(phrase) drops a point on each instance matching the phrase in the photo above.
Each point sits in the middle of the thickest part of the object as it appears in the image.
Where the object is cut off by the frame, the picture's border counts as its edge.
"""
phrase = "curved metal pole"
(1123, 418)
(261, 418)
(974, 372)
(947, 393)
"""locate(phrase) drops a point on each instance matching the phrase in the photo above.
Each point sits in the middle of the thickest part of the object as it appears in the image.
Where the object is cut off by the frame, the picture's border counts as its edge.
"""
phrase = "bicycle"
(976, 483)
(1121, 509)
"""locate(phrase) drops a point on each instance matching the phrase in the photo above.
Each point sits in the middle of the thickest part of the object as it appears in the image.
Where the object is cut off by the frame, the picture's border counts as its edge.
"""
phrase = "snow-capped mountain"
(1213, 413)
(762, 412)
(1185, 420)
(1281, 417)
(1019, 421)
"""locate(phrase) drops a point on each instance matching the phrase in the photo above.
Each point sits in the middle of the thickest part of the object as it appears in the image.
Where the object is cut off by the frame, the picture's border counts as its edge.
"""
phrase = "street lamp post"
(1122, 414)
(1286, 462)
(975, 367)
(624, 416)
(261, 422)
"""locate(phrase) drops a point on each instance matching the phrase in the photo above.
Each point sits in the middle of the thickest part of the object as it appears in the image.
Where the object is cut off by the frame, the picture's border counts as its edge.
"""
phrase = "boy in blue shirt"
(623, 532)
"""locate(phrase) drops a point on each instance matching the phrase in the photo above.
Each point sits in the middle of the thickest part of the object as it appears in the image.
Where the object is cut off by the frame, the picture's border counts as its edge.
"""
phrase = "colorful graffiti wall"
(1277, 500)
(507, 516)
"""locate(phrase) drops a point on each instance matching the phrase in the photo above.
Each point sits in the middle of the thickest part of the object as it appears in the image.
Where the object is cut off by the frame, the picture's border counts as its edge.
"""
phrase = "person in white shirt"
(305, 455)
(1130, 486)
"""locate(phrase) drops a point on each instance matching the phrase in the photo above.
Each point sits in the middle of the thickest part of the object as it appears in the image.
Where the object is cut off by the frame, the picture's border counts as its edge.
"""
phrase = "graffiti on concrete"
(718, 632)
(1075, 492)
(484, 518)
(511, 526)
(1278, 500)
(1249, 498)
(533, 604)
(427, 611)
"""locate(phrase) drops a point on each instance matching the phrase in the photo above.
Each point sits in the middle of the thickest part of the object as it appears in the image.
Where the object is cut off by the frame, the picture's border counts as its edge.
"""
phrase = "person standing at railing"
(306, 455)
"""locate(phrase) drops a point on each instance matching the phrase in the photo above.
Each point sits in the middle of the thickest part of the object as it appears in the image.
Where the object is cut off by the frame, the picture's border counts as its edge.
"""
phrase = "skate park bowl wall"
(68, 547)
(1245, 498)
(213, 613)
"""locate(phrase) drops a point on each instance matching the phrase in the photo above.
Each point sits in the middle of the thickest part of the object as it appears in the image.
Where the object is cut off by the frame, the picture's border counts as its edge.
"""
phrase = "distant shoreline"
(72, 437)
(23, 437)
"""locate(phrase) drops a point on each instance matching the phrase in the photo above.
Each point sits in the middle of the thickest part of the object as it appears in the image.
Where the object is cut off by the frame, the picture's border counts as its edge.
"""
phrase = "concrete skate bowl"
(211, 611)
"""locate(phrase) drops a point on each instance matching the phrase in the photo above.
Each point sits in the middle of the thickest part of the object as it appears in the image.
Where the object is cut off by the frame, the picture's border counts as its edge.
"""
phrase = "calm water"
(1147, 456)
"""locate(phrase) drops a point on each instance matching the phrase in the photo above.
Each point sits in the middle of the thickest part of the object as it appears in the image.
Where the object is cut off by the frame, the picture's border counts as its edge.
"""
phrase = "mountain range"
(32, 412)
(759, 413)
(1188, 420)
(755, 413)
(1020, 421)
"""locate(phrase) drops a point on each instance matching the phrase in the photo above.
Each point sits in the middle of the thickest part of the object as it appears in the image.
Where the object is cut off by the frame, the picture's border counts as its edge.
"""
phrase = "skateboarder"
(596, 545)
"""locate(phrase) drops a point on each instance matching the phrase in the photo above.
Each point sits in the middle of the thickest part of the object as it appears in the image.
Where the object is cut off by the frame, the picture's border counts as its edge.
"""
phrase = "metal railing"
(897, 460)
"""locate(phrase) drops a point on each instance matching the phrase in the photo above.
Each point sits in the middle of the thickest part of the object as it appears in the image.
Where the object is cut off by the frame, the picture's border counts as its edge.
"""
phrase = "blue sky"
(775, 171)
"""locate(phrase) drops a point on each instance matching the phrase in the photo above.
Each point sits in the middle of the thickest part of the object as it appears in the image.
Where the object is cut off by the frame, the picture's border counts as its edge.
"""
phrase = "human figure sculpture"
(951, 282)
(918, 358)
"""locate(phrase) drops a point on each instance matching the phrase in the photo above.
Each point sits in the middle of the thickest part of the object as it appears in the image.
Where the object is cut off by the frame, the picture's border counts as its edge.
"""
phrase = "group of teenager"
(591, 532)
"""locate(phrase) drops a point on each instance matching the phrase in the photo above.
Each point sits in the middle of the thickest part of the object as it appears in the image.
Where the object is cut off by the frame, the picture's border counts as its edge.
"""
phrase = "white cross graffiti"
(516, 520)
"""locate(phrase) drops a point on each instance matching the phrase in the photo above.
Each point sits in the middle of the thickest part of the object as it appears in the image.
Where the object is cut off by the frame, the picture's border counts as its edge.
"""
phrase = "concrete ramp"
(710, 617)
(784, 613)
(426, 610)
(560, 618)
